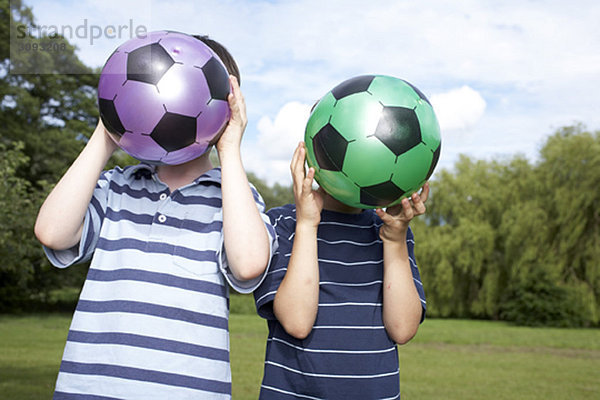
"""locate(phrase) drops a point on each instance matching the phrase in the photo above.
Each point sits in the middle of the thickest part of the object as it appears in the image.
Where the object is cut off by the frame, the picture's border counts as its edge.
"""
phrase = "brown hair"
(223, 54)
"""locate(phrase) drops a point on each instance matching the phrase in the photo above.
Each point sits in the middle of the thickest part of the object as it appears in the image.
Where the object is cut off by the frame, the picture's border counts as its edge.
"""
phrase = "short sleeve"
(250, 285)
(94, 216)
(410, 243)
(284, 222)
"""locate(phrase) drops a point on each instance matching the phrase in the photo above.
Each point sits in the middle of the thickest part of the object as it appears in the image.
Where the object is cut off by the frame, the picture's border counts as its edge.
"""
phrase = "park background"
(511, 239)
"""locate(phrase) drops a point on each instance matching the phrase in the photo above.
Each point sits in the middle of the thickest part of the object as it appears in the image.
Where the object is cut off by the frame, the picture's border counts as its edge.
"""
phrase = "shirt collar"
(138, 171)
(211, 176)
(148, 170)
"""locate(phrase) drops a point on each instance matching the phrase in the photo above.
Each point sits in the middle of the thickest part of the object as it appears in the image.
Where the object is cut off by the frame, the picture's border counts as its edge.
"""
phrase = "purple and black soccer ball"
(163, 97)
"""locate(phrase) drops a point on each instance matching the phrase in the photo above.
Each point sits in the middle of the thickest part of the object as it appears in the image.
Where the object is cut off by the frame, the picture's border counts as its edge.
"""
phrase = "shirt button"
(162, 218)
(163, 196)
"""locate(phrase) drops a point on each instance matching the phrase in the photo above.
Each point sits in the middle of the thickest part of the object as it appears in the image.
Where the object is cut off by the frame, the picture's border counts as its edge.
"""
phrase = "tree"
(463, 216)
(274, 196)
(46, 115)
(17, 250)
(570, 171)
(43, 107)
(500, 234)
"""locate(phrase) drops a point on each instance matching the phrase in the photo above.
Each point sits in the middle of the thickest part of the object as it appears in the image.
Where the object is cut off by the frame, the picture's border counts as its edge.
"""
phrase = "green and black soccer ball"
(372, 140)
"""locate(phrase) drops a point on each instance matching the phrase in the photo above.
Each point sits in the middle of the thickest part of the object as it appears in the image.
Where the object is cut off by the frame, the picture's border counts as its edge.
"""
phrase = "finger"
(308, 180)
(294, 161)
(234, 93)
(235, 87)
(294, 158)
(297, 166)
(425, 192)
(418, 205)
(237, 100)
(407, 209)
(233, 107)
(238, 93)
(301, 163)
(385, 217)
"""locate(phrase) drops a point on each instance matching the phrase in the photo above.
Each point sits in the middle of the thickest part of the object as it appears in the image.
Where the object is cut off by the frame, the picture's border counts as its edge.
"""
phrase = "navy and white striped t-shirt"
(152, 318)
(348, 354)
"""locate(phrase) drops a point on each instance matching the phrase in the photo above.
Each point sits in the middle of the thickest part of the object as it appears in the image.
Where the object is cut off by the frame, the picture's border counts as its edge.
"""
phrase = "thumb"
(385, 217)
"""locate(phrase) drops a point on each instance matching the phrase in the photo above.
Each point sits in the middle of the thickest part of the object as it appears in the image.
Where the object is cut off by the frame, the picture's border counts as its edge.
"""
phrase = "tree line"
(515, 240)
(507, 239)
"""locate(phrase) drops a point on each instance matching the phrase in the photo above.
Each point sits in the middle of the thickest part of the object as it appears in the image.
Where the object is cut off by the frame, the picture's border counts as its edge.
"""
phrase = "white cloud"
(458, 109)
(278, 138)
(270, 154)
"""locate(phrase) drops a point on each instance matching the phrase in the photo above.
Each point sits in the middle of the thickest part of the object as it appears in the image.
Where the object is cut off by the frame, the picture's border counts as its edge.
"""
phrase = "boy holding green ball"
(342, 290)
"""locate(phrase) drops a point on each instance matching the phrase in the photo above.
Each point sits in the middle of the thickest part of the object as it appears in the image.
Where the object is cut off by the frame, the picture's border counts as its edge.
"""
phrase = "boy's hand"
(102, 135)
(396, 218)
(231, 138)
(309, 202)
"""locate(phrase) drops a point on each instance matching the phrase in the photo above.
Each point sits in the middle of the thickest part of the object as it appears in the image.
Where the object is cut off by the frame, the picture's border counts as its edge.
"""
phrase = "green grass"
(248, 337)
(30, 351)
(449, 359)
(455, 359)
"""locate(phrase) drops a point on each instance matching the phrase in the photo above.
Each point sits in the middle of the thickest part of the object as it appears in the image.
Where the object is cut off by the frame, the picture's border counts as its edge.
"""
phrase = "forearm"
(245, 234)
(60, 220)
(297, 299)
(401, 303)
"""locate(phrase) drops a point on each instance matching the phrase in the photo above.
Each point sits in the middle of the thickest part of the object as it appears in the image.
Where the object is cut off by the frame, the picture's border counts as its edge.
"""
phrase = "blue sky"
(502, 75)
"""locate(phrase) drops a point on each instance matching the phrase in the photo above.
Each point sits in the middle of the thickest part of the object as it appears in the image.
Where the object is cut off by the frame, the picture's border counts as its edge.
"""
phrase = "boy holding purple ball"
(152, 318)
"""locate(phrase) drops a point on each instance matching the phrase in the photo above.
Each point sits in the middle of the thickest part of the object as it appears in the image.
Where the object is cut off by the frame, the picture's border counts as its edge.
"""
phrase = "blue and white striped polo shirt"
(348, 354)
(152, 318)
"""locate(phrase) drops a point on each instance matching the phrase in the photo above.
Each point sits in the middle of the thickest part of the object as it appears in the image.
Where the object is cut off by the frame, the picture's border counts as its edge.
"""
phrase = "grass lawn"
(455, 359)
(449, 359)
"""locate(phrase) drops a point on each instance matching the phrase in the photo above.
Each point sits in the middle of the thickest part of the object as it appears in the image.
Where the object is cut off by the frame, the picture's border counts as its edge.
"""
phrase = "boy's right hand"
(309, 202)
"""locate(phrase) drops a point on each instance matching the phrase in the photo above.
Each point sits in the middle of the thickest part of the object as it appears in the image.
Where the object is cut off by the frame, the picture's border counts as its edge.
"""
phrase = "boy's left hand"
(396, 218)
(231, 138)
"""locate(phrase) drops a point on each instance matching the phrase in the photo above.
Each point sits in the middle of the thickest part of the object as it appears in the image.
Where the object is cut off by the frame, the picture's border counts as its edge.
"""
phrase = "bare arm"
(297, 299)
(60, 220)
(401, 303)
(245, 234)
